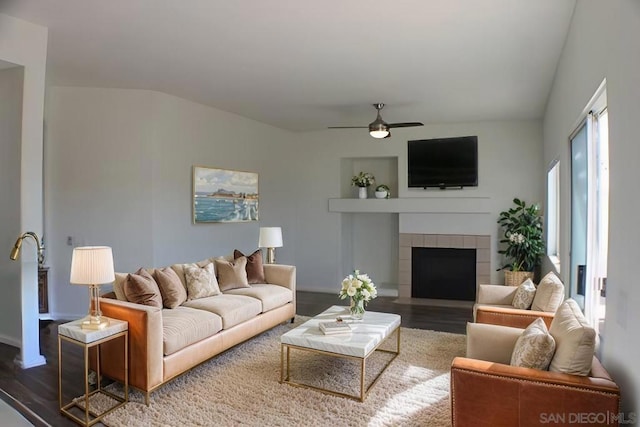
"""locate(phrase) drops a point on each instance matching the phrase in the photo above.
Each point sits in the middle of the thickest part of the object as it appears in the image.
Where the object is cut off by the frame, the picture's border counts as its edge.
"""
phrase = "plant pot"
(515, 278)
(381, 194)
(362, 192)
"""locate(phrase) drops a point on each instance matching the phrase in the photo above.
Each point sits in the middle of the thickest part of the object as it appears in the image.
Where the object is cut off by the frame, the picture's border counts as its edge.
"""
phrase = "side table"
(73, 333)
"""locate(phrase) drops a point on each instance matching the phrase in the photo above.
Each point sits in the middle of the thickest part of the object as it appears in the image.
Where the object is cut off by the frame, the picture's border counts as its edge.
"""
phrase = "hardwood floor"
(37, 388)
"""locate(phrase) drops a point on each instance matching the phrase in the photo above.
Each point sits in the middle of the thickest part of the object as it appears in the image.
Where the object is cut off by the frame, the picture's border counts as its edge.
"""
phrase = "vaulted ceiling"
(309, 64)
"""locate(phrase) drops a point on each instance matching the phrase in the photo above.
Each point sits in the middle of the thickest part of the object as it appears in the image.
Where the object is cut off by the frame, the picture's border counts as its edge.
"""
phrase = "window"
(553, 213)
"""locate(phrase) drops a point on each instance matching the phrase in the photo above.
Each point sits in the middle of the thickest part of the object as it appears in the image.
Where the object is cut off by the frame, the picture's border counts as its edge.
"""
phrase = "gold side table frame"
(90, 417)
(285, 375)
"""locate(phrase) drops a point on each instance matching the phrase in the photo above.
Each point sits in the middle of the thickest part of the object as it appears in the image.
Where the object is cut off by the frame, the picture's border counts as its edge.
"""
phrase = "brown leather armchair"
(487, 391)
(493, 306)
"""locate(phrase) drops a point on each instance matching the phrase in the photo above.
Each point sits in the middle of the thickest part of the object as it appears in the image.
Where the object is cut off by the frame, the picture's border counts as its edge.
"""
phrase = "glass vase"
(356, 308)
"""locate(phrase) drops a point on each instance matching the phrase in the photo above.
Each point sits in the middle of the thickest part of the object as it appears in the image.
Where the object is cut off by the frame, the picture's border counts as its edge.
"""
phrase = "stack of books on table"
(335, 328)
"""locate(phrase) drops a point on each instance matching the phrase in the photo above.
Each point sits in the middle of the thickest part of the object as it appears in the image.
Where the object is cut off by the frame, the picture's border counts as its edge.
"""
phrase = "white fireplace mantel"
(441, 205)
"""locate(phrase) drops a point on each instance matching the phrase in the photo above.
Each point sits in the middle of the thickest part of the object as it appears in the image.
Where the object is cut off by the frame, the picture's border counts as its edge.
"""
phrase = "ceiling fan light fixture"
(379, 134)
(378, 129)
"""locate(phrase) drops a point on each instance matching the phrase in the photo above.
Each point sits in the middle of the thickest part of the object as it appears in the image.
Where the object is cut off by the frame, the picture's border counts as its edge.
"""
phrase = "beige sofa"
(165, 343)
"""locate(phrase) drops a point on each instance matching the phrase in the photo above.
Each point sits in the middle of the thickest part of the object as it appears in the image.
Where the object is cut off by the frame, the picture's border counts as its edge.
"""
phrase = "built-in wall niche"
(385, 169)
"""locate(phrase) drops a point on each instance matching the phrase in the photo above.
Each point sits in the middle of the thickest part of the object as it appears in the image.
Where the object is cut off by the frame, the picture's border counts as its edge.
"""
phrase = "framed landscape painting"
(221, 195)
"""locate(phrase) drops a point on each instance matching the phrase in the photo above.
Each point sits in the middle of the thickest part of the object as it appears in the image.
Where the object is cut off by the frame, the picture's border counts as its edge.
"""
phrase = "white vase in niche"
(362, 192)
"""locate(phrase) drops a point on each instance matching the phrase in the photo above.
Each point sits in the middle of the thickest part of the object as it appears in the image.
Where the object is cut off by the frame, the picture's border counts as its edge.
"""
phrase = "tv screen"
(443, 162)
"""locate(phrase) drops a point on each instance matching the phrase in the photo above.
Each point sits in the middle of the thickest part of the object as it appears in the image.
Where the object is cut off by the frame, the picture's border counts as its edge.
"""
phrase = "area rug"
(240, 387)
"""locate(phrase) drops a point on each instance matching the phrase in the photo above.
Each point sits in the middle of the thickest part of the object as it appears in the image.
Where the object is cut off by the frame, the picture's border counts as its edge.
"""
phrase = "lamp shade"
(270, 237)
(92, 265)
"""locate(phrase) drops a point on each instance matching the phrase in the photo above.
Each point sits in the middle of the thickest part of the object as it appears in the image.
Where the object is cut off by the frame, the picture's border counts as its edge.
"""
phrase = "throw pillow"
(524, 295)
(255, 269)
(171, 288)
(140, 288)
(549, 295)
(575, 340)
(534, 348)
(232, 274)
(201, 281)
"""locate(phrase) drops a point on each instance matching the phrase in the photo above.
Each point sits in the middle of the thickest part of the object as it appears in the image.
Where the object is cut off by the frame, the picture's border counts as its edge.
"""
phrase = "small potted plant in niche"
(362, 181)
(382, 192)
(523, 235)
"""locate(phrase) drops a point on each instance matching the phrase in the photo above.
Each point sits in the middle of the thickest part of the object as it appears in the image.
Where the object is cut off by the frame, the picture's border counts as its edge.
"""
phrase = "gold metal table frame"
(285, 375)
(90, 417)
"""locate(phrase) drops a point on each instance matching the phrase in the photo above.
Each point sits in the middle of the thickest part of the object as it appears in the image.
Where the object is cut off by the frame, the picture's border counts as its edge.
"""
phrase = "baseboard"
(12, 341)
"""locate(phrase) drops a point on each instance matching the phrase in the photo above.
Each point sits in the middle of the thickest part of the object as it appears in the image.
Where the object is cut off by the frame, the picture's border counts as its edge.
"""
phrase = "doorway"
(590, 211)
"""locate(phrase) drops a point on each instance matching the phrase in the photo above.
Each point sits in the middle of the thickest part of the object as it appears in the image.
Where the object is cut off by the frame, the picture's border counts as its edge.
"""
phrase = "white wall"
(25, 44)
(119, 171)
(510, 165)
(603, 43)
(11, 82)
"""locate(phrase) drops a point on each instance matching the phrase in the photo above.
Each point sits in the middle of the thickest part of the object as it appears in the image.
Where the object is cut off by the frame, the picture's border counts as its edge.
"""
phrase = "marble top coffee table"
(366, 337)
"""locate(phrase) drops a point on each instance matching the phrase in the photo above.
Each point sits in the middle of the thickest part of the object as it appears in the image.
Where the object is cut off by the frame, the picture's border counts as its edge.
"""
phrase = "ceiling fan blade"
(404, 125)
(347, 127)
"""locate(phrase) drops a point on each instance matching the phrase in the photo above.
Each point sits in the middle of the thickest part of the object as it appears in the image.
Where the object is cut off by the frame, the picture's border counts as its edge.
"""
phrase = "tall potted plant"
(523, 235)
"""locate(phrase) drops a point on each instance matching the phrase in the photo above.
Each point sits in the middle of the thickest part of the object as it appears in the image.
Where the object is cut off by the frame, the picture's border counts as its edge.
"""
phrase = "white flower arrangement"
(363, 179)
(358, 287)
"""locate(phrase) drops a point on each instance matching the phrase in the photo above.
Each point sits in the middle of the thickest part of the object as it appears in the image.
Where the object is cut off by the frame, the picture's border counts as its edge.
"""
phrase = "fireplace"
(443, 273)
(480, 244)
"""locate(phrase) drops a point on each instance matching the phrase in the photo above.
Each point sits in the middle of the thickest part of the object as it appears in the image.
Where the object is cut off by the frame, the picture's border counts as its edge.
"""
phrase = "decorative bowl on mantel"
(381, 194)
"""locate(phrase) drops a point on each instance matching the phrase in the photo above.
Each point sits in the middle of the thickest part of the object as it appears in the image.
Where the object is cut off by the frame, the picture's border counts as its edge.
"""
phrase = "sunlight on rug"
(240, 387)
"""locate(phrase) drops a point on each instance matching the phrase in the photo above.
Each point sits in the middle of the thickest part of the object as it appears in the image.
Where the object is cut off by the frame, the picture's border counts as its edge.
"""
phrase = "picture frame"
(223, 195)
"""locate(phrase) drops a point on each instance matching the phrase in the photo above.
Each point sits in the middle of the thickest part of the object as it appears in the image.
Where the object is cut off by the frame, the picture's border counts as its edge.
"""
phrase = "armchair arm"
(513, 317)
(493, 394)
(496, 294)
(145, 344)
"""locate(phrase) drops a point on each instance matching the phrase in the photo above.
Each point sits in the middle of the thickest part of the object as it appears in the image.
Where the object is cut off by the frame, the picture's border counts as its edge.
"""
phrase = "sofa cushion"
(549, 294)
(271, 296)
(171, 288)
(232, 274)
(575, 340)
(201, 281)
(179, 269)
(141, 288)
(183, 326)
(524, 295)
(535, 347)
(118, 286)
(233, 309)
(255, 268)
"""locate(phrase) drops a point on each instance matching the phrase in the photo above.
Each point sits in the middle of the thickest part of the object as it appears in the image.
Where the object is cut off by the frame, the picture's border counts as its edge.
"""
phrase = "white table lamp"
(92, 266)
(270, 238)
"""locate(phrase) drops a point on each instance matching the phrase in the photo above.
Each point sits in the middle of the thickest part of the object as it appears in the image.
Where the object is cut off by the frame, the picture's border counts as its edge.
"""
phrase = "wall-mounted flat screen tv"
(443, 162)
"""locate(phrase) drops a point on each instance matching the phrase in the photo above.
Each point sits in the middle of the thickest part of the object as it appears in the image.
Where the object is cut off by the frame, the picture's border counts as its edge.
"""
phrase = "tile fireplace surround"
(481, 243)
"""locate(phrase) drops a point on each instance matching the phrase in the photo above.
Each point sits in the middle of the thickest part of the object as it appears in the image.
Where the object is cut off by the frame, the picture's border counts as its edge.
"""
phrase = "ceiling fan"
(379, 128)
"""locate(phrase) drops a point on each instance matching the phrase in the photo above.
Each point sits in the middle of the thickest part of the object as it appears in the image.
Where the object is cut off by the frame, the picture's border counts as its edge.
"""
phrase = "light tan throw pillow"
(232, 274)
(535, 347)
(524, 295)
(549, 295)
(141, 288)
(171, 288)
(575, 340)
(201, 281)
